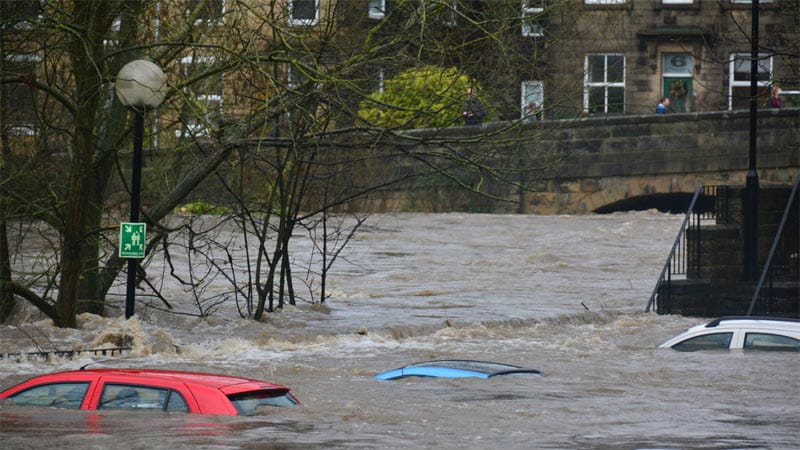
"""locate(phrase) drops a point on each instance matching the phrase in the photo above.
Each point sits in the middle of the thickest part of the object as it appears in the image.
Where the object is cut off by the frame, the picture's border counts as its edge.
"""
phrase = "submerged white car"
(746, 332)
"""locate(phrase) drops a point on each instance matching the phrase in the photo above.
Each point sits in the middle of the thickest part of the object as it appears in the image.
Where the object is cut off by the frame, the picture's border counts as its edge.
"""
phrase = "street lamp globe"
(141, 84)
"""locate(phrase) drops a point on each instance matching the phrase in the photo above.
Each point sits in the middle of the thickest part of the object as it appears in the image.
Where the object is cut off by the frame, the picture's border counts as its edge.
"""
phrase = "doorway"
(677, 81)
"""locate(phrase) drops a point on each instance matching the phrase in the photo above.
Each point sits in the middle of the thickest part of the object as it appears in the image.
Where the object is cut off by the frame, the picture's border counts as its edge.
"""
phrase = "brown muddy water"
(412, 287)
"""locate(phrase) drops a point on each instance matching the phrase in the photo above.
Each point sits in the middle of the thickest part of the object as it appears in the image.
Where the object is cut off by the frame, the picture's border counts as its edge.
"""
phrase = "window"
(303, 12)
(531, 18)
(604, 86)
(715, 341)
(56, 395)
(764, 341)
(532, 100)
(19, 99)
(377, 9)
(295, 76)
(113, 33)
(210, 12)
(605, 2)
(443, 12)
(677, 65)
(378, 78)
(20, 14)
(677, 2)
(248, 403)
(124, 396)
(739, 82)
(176, 403)
(450, 13)
(204, 96)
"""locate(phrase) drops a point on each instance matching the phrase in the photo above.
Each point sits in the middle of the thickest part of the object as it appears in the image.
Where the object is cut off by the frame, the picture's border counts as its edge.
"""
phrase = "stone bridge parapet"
(613, 163)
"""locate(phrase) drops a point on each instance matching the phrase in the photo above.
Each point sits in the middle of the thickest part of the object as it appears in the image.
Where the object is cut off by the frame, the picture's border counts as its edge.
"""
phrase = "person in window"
(662, 105)
(473, 109)
(531, 113)
(775, 98)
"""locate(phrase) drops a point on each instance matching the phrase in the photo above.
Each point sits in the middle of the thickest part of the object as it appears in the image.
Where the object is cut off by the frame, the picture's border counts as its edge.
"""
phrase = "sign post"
(132, 237)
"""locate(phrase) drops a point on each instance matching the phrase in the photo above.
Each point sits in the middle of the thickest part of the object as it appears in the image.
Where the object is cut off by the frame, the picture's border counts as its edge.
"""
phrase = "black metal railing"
(66, 353)
(721, 211)
(708, 203)
(678, 260)
(783, 261)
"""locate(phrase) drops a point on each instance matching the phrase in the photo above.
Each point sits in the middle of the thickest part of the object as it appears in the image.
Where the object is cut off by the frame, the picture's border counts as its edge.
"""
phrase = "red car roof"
(204, 392)
(207, 379)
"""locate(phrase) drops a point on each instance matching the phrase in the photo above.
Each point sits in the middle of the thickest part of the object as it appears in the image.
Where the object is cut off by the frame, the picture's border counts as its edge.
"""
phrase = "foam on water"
(412, 287)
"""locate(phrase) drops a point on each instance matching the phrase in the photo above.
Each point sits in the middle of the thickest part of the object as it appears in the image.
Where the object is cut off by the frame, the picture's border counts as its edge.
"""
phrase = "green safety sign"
(132, 239)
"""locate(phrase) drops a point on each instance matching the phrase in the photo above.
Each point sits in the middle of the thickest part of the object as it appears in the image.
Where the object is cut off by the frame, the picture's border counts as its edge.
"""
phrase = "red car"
(146, 389)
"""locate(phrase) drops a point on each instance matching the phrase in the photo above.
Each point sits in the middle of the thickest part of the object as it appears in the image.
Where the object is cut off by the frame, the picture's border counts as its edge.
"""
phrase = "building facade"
(532, 58)
(611, 57)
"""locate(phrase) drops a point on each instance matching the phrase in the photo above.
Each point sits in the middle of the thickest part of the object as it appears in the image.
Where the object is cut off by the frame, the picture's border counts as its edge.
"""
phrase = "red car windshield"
(248, 403)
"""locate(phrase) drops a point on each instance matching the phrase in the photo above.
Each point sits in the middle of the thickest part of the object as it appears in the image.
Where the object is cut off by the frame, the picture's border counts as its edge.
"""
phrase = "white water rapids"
(561, 294)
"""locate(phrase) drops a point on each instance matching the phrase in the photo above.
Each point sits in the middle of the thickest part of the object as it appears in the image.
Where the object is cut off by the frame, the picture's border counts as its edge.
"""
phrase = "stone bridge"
(629, 162)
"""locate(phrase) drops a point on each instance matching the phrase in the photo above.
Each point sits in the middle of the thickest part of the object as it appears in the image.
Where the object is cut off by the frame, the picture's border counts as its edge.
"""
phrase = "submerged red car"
(149, 389)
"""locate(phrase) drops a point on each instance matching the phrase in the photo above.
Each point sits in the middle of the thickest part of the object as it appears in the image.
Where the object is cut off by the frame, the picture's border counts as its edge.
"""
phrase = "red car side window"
(125, 396)
(57, 395)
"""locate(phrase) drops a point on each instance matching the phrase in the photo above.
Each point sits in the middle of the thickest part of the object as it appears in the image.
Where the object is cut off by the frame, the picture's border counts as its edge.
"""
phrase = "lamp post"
(751, 177)
(140, 85)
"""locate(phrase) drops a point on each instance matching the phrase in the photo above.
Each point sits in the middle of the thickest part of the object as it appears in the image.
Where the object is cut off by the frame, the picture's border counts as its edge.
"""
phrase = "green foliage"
(424, 97)
(203, 208)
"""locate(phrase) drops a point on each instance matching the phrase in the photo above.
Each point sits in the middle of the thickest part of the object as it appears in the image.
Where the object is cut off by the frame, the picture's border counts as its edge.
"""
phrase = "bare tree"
(262, 116)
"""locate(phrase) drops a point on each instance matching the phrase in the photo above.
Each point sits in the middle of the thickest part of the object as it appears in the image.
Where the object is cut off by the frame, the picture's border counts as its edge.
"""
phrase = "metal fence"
(782, 266)
(678, 260)
(66, 353)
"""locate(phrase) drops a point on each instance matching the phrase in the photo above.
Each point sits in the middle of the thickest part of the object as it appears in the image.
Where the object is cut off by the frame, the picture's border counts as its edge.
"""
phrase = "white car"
(746, 332)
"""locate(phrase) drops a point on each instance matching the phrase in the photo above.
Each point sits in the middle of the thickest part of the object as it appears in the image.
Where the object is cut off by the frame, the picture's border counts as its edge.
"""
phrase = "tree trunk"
(81, 187)
(75, 231)
(6, 297)
(91, 298)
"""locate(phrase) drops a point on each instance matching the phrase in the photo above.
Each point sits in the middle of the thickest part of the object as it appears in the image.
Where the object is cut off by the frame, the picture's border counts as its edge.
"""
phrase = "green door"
(679, 91)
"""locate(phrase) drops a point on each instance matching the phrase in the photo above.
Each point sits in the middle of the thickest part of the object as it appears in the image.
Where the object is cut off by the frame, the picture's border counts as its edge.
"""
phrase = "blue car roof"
(455, 369)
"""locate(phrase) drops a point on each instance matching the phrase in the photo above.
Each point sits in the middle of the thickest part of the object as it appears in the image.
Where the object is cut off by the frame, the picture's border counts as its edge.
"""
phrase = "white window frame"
(199, 128)
(527, 86)
(26, 26)
(191, 60)
(604, 2)
(381, 74)
(291, 82)
(379, 12)
(732, 83)
(450, 13)
(587, 83)
(24, 130)
(527, 30)
(215, 21)
(116, 25)
(303, 22)
(677, 2)
(24, 57)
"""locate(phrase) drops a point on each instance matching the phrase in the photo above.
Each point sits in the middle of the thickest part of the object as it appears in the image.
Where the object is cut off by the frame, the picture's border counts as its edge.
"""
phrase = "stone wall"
(592, 163)
(586, 164)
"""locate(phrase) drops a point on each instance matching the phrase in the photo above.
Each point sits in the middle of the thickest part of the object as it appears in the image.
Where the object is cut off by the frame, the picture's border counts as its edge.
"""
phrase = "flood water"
(564, 295)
